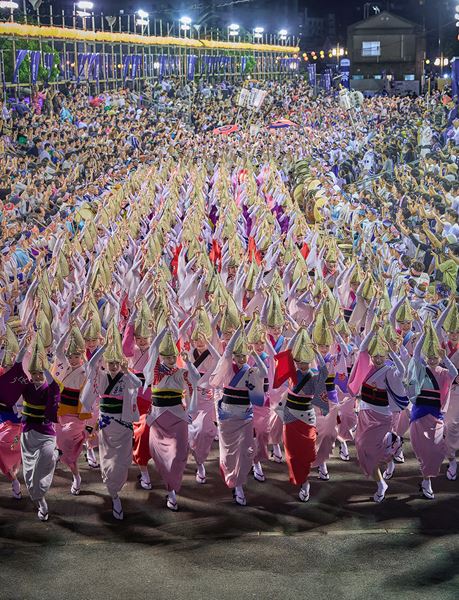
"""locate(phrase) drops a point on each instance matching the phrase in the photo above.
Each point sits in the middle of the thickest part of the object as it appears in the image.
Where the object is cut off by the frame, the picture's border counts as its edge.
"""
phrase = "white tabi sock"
(91, 454)
(117, 507)
(343, 448)
(172, 497)
(201, 471)
(258, 469)
(427, 485)
(145, 474)
(390, 468)
(239, 491)
(16, 486)
(277, 450)
(380, 492)
(382, 487)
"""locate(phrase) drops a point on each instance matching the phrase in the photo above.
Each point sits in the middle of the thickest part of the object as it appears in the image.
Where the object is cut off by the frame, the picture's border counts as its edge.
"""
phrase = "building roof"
(384, 20)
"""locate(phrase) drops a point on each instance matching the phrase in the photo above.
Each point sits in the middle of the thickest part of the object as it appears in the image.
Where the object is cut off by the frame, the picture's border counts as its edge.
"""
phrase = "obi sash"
(428, 402)
(70, 397)
(111, 405)
(332, 394)
(69, 403)
(163, 397)
(33, 413)
(233, 395)
(373, 395)
(298, 401)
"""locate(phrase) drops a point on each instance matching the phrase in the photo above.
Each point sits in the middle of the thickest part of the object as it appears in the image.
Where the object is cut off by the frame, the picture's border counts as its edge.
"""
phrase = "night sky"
(275, 14)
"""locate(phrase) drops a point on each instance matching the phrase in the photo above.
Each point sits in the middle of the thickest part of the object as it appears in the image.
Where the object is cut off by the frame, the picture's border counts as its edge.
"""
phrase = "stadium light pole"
(11, 5)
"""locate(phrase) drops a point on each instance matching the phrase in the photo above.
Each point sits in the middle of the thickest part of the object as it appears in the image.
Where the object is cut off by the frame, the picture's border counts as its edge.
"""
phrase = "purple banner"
(191, 66)
(312, 74)
(162, 66)
(455, 77)
(345, 70)
(82, 62)
(34, 65)
(327, 81)
(48, 61)
(20, 56)
(126, 63)
(94, 66)
(136, 58)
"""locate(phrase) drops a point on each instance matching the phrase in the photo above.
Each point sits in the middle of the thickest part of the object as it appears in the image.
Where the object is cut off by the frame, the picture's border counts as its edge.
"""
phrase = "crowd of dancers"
(282, 291)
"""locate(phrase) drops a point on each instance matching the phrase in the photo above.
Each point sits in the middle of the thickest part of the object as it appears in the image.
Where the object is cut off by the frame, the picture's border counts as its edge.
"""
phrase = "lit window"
(408, 77)
(371, 48)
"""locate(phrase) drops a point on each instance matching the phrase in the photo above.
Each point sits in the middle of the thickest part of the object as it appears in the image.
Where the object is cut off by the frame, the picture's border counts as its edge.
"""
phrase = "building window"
(357, 77)
(378, 76)
(371, 48)
(408, 77)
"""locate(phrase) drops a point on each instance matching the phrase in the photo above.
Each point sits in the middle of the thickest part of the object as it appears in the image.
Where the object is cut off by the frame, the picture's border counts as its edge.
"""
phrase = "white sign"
(243, 98)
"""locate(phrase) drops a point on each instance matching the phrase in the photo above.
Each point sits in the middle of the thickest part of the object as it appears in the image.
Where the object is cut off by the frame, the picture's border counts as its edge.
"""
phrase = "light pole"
(185, 25)
(258, 34)
(283, 33)
(233, 31)
(11, 5)
(143, 21)
(83, 7)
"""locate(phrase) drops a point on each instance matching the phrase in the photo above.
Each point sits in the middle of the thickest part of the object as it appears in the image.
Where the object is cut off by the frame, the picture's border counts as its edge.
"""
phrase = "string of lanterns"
(321, 54)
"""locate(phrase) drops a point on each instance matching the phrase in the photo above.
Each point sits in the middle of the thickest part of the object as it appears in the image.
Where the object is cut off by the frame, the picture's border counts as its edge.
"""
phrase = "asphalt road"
(339, 545)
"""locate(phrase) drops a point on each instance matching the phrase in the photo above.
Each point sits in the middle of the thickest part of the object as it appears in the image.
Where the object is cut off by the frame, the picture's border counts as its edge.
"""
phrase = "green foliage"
(24, 70)
(250, 64)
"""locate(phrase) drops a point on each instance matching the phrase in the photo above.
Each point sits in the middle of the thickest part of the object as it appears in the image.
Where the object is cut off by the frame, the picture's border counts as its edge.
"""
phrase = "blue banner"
(126, 65)
(455, 76)
(345, 70)
(191, 66)
(48, 60)
(34, 65)
(20, 56)
(312, 74)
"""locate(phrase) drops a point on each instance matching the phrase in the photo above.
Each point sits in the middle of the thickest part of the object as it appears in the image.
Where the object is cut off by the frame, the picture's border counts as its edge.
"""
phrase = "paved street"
(339, 544)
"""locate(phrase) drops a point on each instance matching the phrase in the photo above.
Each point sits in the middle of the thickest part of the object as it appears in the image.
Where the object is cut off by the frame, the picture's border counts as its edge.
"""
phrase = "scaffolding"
(107, 59)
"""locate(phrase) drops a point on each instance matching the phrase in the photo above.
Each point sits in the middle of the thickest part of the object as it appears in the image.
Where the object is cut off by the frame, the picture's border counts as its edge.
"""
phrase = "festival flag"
(226, 129)
(174, 261)
(285, 368)
(215, 254)
(282, 123)
(305, 250)
(252, 250)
